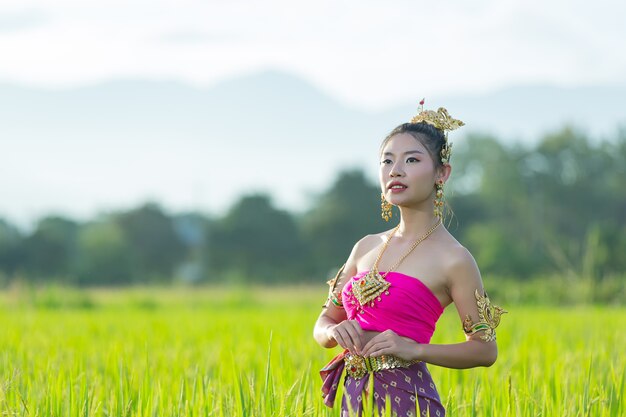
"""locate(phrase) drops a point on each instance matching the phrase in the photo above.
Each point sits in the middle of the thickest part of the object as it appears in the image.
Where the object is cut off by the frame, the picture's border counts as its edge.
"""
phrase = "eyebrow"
(406, 153)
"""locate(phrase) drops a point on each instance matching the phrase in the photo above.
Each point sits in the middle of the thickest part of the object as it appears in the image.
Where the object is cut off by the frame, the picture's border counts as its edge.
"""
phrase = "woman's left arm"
(466, 290)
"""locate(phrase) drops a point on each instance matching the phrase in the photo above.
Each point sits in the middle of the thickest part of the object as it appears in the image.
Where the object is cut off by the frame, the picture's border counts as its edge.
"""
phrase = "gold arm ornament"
(489, 318)
(332, 284)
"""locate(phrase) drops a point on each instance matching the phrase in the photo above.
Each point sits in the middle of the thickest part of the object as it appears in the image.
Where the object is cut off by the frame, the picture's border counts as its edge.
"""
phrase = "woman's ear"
(443, 172)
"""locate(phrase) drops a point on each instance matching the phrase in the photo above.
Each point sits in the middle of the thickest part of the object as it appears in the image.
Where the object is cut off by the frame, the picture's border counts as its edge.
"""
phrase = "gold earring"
(386, 208)
(439, 199)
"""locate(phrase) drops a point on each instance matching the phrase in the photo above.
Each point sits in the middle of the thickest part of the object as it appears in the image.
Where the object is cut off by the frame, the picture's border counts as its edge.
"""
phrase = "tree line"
(555, 207)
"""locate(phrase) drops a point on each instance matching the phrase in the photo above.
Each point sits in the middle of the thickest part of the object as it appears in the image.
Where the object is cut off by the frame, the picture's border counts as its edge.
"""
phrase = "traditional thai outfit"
(411, 310)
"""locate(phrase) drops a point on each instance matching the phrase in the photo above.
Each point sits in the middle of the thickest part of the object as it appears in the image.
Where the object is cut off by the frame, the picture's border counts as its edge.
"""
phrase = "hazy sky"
(367, 53)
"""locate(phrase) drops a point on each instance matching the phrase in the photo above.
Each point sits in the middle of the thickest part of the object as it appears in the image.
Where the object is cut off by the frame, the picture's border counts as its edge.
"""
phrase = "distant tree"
(11, 248)
(104, 255)
(156, 248)
(50, 250)
(256, 241)
(528, 210)
(340, 216)
(576, 190)
(495, 214)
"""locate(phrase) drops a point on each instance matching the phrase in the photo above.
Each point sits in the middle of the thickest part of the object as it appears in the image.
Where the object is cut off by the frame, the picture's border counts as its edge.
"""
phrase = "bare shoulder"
(361, 247)
(368, 242)
(365, 246)
(458, 263)
(460, 257)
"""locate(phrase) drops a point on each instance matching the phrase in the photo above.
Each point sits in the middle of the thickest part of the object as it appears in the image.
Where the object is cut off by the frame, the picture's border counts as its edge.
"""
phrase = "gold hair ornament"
(332, 296)
(489, 318)
(441, 120)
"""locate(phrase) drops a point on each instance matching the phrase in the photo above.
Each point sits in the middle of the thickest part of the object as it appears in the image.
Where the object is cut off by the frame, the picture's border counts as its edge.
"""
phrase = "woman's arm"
(332, 326)
(463, 279)
(469, 354)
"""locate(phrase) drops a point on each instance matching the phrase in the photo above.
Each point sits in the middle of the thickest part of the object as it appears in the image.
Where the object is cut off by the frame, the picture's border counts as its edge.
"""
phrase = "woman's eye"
(412, 159)
(386, 161)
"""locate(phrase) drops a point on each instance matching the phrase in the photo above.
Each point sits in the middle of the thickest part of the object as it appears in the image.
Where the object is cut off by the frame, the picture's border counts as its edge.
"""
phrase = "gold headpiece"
(441, 120)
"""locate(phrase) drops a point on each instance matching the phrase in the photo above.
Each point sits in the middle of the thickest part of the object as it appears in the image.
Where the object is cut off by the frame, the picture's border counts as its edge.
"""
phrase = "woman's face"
(406, 161)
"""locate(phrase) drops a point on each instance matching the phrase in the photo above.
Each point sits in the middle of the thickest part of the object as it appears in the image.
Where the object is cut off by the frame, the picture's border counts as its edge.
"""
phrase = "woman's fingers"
(354, 330)
(373, 345)
(379, 337)
(348, 335)
(345, 340)
(342, 337)
(384, 340)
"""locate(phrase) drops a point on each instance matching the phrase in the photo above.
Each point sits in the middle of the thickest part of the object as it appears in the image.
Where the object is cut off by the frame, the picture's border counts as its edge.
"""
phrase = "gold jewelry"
(332, 296)
(489, 318)
(357, 366)
(441, 120)
(439, 199)
(372, 285)
(385, 207)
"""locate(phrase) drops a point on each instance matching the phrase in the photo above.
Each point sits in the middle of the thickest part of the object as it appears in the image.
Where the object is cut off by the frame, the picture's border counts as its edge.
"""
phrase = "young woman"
(384, 303)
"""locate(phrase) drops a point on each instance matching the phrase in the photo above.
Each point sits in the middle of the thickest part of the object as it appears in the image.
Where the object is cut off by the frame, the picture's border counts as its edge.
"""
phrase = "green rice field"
(250, 352)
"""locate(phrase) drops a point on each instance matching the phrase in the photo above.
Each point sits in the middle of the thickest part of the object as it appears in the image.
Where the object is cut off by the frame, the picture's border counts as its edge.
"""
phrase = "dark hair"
(428, 135)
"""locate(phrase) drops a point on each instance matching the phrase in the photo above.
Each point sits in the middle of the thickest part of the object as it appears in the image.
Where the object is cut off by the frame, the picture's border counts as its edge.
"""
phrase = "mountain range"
(118, 142)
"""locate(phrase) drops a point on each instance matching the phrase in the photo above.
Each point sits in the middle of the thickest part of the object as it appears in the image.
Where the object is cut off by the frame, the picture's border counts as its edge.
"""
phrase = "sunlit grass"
(250, 352)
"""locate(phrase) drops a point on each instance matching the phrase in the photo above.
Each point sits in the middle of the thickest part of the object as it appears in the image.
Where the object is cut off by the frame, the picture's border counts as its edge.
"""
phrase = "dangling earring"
(386, 208)
(439, 199)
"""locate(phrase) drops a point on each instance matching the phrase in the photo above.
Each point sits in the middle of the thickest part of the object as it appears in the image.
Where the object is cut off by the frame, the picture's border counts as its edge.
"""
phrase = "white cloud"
(364, 52)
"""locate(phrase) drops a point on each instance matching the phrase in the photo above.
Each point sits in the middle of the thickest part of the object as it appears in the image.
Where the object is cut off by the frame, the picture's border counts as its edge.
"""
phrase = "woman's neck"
(415, 222)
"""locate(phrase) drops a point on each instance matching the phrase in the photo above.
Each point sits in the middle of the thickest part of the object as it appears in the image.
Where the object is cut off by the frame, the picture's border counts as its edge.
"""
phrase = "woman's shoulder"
(458, 261)
(456, 255)
(369, 242)
(361, 247)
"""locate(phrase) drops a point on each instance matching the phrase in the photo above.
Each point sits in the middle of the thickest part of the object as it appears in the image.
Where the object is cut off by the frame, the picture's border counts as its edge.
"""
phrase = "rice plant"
(250, 352)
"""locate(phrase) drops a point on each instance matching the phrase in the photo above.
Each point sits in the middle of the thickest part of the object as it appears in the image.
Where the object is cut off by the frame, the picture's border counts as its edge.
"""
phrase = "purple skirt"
(411, 391)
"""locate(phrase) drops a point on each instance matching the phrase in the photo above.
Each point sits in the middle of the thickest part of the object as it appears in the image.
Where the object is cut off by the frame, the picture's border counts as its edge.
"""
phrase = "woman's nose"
(395, 171)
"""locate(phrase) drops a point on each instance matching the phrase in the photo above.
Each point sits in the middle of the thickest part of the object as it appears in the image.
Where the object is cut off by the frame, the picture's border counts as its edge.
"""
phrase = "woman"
(385, 301)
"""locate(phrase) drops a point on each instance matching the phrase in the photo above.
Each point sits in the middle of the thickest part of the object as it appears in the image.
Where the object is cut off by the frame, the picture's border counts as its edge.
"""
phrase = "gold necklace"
(372, 285)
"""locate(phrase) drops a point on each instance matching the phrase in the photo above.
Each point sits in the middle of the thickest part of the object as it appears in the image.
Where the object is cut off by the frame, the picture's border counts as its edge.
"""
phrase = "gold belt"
(358, 366)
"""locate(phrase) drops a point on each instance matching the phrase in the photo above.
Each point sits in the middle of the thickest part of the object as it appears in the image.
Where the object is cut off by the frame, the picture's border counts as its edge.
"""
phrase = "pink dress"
(410, 310)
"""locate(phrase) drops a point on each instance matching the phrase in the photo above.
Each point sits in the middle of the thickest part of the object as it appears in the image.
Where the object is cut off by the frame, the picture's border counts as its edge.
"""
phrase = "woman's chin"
(399, 200)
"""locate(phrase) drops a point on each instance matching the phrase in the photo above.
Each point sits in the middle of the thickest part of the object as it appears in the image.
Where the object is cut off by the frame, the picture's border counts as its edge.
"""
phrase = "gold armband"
(489, 318)
(332, 296)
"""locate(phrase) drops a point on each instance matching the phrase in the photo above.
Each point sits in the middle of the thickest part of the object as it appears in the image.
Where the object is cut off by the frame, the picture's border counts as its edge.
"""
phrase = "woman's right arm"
(332, 327)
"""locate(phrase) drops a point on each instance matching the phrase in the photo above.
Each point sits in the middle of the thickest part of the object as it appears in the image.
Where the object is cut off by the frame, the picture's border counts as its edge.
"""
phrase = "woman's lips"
(397, 189)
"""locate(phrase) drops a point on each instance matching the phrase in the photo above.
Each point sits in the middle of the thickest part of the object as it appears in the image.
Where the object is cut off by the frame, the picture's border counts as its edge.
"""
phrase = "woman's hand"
(348, 335)
(390, 343)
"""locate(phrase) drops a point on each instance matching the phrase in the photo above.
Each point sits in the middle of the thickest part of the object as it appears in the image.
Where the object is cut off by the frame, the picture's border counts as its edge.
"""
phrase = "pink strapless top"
(411, 309)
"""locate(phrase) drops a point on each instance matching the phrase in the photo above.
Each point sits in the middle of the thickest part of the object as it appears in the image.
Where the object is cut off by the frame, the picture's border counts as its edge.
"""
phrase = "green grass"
(177, 352)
